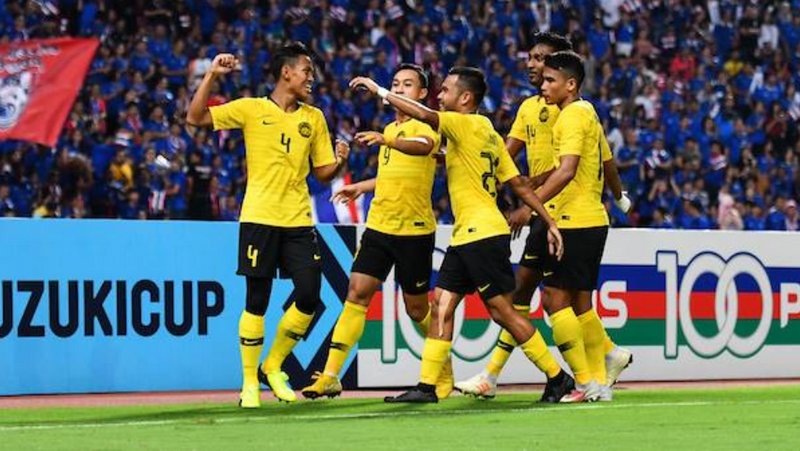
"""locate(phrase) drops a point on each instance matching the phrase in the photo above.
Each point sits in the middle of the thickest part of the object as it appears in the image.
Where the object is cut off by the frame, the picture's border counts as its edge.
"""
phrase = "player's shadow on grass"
(213, 413)
(319, 410)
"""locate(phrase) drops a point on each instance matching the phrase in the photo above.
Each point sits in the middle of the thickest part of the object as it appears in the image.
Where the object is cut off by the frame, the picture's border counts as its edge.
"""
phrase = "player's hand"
(346, 194)
(370, 138)
(518, 219)
(364, 83)
(224, 63)
(342, 151)
(554, 241)
(624, 202)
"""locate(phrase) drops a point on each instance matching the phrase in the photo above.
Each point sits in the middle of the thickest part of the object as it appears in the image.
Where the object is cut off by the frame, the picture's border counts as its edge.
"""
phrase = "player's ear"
(285, 70)
(465, 98)
(572, 84)
(423, 93)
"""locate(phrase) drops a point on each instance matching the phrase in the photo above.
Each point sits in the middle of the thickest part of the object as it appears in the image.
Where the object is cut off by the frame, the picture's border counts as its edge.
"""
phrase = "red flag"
(39, 80)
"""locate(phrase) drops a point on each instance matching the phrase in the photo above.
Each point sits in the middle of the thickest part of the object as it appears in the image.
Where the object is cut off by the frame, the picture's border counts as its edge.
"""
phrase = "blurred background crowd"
(699, 99)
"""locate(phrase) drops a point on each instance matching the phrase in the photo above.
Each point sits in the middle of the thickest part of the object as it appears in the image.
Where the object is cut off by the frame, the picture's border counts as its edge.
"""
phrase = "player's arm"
(349, 193)
(560, 177)
(514, 146)
(199, 114)
(614, 183)
(416, 145)
(611, 176)
(520, 217)
(521, 188)
(539, 180)
(414, 109)
(327, 172)
(573, 132)
(507, 172)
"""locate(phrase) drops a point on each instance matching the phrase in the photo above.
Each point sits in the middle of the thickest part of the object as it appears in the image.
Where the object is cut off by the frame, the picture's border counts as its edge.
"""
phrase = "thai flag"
(324, 211)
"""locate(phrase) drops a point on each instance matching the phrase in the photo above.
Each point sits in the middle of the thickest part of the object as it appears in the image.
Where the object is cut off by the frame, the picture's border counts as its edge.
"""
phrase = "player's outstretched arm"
(559, 178)
(410, 107)
(514, 146)
(415, 145)
(199, 114)
(349, 193)
(521, 188)
(615, 185)
(328, 172)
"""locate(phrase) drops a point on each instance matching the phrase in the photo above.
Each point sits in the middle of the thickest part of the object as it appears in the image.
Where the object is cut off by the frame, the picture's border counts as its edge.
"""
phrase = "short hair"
(558, 42)
(288, 55)
(471, 79)
(423, 76)
(568, 62)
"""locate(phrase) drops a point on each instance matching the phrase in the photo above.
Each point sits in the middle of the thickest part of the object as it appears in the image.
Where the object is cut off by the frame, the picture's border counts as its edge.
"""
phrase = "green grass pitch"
(758, 418)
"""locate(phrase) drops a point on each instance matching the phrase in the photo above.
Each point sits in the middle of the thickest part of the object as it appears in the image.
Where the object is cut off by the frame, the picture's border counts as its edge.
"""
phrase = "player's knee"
(501, 314)
(553, 301)
(306, 290)
(358, 295)
(441, 310)
(522, 296)
(417, 311)
(257, 297)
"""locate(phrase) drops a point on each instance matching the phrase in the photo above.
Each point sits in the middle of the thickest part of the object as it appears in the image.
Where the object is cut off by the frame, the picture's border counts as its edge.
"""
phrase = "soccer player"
(400, 231)
(284, 139)
(479, 252)
(532, 129)
(576, 185)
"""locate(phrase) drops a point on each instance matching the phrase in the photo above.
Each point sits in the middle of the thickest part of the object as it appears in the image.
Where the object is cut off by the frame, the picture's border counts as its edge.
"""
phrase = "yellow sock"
(251, 342)
(568, 337)
(608, 345)
(291, 329)
(425, 324)
(594, 335)
(505, 345)
(537, 352)
(347, 332)
(434, 356)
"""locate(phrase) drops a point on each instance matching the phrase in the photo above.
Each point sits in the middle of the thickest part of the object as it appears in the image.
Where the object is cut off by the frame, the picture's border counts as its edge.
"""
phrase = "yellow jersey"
(278, 147)
(476, 161)
(534, 126)
(578, 132)
(402, 202)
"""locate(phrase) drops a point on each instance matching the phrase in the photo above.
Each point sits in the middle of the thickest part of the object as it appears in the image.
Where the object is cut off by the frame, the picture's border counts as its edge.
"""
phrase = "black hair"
(556, 41)
(423, 76)
(471, 79)
(287, 56)
(568, 62)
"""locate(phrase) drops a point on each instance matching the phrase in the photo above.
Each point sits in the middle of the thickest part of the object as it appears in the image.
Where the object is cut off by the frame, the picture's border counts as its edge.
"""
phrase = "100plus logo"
(725, 300)
(679, 289)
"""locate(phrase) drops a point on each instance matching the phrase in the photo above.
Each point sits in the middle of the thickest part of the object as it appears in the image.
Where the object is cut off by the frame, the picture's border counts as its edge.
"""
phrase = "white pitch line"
(410, 413)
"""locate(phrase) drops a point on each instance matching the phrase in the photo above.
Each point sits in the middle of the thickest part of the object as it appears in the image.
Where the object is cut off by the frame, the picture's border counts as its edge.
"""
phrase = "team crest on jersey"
(304, 129)
(544, 114)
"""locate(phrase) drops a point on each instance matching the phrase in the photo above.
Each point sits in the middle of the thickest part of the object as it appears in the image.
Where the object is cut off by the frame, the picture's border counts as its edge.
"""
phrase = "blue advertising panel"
(108, 306)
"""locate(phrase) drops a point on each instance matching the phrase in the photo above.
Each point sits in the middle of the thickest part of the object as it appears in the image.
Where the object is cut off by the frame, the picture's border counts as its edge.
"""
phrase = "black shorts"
(580, 265)
(535, 246)
(411, 255)
(483, 265)
(264, 249)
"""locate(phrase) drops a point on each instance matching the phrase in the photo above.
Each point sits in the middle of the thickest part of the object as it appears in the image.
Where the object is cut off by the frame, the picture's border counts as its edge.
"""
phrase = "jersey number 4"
(286, 141)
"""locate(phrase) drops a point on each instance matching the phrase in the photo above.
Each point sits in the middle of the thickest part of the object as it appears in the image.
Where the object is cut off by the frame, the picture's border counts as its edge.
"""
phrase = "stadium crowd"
(699, 99)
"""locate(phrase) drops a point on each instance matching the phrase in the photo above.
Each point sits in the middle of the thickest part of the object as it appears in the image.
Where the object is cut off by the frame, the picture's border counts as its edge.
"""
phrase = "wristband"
(382, 92)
